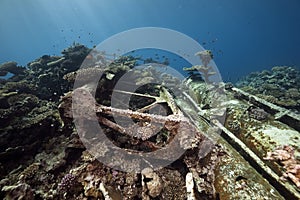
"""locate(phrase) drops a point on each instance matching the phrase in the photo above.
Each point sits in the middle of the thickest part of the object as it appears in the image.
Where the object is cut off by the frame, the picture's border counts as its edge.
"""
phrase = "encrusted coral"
(285, 156)
(257, 113)
(234, 126)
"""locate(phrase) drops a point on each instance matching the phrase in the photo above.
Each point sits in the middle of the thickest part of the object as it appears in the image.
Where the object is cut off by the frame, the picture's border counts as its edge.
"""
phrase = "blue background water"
(245, 36)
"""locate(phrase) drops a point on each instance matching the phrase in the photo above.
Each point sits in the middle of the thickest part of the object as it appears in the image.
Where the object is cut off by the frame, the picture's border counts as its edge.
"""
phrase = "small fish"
(214, 40)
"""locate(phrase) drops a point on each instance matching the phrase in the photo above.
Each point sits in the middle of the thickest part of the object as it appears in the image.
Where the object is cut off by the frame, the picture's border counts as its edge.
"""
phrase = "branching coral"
(206, 71)
(206, 56)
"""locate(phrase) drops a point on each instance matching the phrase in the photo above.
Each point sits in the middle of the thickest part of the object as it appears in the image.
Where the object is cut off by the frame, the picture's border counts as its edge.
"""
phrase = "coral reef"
(43, 155)
(11, 67)
(279, 86)
(28, 109)
(285, 156)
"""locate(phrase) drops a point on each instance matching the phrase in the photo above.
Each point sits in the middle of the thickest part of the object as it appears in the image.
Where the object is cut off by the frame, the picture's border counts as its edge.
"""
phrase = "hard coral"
(206, 56)
(67, 182)
(12, 68)
(278, 86)
(285, 155)
(257, 113)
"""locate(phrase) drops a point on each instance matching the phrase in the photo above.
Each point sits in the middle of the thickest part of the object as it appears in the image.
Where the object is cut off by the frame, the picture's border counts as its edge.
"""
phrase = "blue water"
(244, 36)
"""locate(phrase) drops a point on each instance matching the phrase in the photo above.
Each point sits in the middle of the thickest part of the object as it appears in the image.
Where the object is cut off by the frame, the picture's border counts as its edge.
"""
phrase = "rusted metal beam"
(285, 188)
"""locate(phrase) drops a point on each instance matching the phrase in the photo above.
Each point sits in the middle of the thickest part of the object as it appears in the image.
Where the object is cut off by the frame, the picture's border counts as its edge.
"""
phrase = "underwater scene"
(138, 99)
